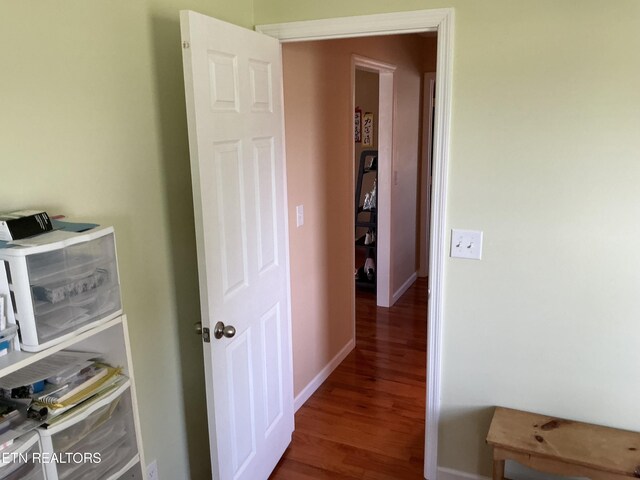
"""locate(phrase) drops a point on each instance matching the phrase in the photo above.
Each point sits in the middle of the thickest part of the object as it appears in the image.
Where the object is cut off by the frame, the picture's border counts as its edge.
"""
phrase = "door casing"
(442, 22)
(386, 106)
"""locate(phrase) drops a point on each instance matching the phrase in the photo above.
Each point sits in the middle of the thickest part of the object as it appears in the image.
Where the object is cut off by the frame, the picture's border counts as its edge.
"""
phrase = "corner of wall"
(319, 379)
(252, 18)
(451, 474)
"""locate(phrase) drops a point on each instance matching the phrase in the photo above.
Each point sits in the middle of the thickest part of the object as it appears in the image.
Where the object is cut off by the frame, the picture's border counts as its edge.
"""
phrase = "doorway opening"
(366, 162)
(436, 20)
(321, 96)
(372, 100)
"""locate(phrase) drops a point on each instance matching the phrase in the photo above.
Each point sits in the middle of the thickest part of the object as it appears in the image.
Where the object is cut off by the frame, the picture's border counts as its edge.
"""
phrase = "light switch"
(466, 244)
(299, 215)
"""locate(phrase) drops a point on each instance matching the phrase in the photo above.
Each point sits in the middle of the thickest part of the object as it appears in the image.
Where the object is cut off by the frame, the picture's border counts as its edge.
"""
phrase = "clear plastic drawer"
(17, 461)
(64, 287)
(97, 443)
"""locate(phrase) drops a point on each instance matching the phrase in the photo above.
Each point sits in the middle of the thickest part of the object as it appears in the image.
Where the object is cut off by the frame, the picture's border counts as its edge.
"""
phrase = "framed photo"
(358, 125)
(367, 129)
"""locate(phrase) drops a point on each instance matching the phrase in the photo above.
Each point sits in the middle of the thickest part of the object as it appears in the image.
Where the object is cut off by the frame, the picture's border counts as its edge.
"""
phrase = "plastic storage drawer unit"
(17, 461)
(64, 287)
(99, 442)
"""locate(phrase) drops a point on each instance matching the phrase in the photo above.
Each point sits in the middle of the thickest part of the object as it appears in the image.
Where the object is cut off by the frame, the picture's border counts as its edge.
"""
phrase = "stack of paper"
(51, 389)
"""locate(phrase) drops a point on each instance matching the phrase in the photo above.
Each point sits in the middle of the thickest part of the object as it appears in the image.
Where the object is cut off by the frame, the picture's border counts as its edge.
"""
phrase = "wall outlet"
(152, 471)
(466, 244)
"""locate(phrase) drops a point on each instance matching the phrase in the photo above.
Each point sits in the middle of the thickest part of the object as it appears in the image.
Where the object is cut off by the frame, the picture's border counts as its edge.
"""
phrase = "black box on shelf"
(23, 224)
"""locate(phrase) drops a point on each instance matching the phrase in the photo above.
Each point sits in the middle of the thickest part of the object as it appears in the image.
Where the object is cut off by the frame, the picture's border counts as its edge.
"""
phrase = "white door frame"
(386, 109)
(440, 21)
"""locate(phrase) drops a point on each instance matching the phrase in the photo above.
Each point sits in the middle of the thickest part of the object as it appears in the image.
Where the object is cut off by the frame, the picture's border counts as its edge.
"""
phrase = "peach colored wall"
(321, 271)
(404, 193)
(318, 123)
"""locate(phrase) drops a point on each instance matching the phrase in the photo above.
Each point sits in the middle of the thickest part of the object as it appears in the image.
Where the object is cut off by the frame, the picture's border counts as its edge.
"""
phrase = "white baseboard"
(450, 474)
(405, 286)
(313, 385)
(520, 472)
(512, 470)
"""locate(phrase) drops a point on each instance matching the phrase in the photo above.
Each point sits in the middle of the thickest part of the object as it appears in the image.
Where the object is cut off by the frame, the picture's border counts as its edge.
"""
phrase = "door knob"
(198, 328)
(222, 330)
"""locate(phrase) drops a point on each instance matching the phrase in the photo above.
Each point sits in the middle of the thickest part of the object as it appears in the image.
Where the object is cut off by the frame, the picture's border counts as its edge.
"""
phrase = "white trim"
(437, 240)
(442, 21)
(404, 287)
(359, 26)
(386, 157)
(450, 474)
(371, 64)
(512, 470)
(313, 385)
(386, 119)
(133, 391)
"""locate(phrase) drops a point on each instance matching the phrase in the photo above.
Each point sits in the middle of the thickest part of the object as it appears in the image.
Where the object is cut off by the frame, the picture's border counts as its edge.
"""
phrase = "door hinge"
(206, 336)
(185, 44)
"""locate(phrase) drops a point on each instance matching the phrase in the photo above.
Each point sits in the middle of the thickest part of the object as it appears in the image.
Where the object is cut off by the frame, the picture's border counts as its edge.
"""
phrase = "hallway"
(367, 420)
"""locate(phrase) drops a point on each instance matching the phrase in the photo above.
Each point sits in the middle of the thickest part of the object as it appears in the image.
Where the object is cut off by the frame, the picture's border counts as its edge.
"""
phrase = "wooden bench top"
(594, 447)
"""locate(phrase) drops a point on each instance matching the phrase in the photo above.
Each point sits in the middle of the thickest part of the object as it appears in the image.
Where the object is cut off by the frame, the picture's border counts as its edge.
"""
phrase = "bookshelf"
(107, 424)
(366, 219)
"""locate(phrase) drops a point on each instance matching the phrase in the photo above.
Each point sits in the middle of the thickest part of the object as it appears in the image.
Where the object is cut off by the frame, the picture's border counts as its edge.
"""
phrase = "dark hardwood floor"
(367, 420)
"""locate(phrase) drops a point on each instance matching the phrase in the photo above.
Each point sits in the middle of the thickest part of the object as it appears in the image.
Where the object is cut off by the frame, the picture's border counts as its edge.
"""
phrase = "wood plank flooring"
(367, 420)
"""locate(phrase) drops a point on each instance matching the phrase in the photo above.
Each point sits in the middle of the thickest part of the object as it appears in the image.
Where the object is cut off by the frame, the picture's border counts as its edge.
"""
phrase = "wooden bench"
(562, 447)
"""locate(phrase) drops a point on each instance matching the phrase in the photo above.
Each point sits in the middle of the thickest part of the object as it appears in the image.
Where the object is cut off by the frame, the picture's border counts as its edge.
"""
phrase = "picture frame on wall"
(358, 125)
(367, 129)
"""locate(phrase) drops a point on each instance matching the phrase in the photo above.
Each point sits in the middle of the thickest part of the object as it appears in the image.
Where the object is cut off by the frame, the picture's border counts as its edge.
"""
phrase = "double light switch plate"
(466, 244)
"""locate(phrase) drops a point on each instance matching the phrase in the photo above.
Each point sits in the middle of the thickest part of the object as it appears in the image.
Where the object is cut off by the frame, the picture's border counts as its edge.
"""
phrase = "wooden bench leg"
(498, 470)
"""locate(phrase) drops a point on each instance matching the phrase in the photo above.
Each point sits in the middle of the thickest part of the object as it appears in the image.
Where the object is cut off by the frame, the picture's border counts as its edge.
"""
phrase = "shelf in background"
(360, 243)
(369, 210)
(363, 282)
(370, 222)
(366, 224)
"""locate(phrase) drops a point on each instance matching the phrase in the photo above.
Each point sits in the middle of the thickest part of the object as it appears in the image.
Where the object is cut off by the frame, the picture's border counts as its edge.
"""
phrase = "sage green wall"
(545, 160)
(92, 125)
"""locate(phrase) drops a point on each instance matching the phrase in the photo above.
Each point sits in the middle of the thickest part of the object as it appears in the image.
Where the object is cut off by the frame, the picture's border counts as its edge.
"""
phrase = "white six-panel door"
(233, 83)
